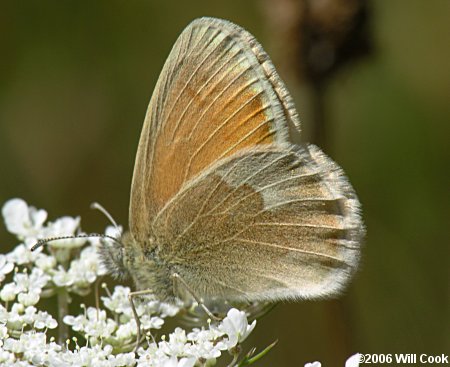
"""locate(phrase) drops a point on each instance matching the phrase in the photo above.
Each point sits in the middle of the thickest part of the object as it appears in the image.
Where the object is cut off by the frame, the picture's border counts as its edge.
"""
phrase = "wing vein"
(216, 82)
(211, 193)
(270, 244)
(230, 286)
(257, 191)
(156, 113)
(262, 124)
(223, 124)
(303, 225)
(303, 200)
(197, 93)
(183, 89)
(246, 180)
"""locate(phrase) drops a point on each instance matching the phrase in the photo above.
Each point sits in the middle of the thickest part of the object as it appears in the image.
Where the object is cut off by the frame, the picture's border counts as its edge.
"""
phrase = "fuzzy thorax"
(125, 258)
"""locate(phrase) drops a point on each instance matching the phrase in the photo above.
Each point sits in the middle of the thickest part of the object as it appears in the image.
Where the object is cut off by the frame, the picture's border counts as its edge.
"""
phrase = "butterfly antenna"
(45, 241)
(99, 207)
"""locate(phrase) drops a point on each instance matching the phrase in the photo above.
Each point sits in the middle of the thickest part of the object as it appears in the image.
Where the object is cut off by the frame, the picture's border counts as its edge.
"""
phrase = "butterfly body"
(221, 196)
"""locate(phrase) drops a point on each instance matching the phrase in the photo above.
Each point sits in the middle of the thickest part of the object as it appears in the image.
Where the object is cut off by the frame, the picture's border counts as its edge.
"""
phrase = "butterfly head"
(115, 255)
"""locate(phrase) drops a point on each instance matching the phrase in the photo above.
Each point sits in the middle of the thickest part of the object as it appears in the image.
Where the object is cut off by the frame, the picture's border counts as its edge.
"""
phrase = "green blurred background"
(75, 81)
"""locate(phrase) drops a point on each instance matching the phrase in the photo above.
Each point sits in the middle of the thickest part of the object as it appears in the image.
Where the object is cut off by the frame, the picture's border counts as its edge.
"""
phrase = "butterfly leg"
(131, 296)
(178, 279)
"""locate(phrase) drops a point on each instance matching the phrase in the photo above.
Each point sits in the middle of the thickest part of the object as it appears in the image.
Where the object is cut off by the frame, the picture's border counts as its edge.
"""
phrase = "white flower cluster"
(120, 329)
(48, 271)
(199, 345)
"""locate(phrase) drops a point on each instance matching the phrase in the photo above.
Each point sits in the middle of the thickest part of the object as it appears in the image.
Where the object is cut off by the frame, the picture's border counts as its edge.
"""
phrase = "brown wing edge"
(336, 180)
(264, 60)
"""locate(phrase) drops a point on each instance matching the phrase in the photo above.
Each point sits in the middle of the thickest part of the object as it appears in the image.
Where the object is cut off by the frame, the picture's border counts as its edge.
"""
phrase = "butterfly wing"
(264, 224)
(218, 93)
(235, 209)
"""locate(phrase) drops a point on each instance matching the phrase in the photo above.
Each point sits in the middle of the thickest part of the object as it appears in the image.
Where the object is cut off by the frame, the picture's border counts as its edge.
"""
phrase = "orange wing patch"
(221, 132)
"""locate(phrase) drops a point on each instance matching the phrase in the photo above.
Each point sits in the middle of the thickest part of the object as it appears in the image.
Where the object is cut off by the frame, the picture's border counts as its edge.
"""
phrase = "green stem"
(63, 310)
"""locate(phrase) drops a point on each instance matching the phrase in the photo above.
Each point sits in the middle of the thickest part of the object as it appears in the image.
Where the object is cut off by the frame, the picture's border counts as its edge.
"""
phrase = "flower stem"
(63, 310)
(235, 353)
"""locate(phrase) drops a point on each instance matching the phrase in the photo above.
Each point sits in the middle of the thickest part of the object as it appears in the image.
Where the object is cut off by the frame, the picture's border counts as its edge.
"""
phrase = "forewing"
(265, 224)
(218, 93)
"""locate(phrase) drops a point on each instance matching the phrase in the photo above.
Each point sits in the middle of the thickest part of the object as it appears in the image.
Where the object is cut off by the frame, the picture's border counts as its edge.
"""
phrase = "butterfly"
(221, 198)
